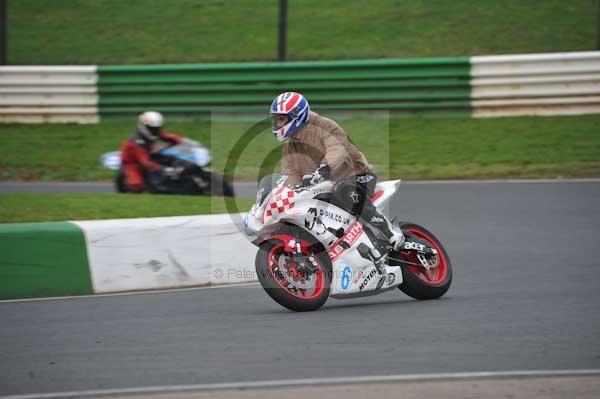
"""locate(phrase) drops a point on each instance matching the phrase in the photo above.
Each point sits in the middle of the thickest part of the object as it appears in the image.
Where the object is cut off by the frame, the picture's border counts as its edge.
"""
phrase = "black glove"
(323, 172)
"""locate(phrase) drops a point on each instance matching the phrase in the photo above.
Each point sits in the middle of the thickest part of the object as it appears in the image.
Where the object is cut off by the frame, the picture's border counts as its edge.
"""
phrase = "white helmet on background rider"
(293, 106)
(150, 124)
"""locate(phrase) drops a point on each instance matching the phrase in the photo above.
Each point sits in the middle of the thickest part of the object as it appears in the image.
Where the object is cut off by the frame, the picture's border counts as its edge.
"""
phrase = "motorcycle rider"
(319, 147)
(135, 151)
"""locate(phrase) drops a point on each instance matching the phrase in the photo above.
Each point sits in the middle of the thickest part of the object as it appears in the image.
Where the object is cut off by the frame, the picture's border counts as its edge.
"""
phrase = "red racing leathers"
(135, 159)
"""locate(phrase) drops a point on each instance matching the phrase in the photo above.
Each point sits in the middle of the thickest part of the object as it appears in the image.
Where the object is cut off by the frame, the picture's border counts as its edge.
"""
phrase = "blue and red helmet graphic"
(295, 107)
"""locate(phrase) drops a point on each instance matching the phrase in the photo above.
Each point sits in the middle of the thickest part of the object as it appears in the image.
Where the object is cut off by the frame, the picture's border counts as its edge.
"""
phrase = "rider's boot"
(393, 233)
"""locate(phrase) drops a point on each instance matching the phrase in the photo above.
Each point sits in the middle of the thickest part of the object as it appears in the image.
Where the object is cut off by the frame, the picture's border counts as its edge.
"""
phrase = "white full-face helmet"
(150, 124)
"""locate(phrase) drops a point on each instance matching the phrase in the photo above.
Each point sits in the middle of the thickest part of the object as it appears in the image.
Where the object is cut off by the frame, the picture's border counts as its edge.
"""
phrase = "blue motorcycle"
(189, 160)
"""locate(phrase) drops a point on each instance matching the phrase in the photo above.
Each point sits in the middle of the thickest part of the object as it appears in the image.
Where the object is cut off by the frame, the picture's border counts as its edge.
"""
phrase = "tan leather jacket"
(321, 141)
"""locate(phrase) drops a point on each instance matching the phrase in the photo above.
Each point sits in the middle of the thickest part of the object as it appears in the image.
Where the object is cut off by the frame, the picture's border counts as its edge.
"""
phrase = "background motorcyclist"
(135, 151)
(319, 147)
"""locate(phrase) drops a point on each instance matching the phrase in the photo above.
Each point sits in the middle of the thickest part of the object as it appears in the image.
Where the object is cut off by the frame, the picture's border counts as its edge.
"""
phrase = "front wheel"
(290, 287)
(120, 184)
(419, 282)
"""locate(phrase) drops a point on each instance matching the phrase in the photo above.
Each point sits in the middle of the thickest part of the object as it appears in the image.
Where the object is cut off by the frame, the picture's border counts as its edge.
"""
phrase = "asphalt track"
(525, 296)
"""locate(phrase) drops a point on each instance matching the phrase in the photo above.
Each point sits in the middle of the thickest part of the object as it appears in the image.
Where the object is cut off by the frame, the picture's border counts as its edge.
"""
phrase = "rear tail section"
(384, 192)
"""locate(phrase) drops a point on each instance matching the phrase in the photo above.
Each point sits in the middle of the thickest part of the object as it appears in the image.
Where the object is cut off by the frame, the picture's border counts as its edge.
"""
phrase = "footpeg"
(374, 256)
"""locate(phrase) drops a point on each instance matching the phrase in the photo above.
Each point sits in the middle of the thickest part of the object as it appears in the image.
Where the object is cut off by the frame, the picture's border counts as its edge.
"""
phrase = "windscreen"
(266, 185)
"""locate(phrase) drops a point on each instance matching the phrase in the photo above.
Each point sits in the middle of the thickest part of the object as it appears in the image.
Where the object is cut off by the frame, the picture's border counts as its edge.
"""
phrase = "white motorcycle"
(311, 249)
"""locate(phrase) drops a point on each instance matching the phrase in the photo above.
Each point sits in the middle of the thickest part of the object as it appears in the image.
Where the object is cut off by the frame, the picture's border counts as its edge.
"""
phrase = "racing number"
(346, 278)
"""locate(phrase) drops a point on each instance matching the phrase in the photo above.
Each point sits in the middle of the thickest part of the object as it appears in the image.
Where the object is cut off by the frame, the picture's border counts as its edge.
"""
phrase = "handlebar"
(306, 184)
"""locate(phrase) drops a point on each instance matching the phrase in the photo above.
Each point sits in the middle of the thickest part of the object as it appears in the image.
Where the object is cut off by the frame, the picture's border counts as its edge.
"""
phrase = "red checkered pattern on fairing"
(282, 201)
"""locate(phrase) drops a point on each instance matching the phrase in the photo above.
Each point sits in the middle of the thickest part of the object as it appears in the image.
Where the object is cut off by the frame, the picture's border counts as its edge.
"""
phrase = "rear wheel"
(290, 287)
(219, 186)
(420, 282)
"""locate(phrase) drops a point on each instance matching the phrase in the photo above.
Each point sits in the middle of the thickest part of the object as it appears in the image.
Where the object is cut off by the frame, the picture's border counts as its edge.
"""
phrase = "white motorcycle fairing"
(350, 249)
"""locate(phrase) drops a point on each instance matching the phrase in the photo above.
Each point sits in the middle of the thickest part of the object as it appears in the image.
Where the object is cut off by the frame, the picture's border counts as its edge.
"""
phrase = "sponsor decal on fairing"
(358, 277)
(390, 278)
(336, 217)
(347, 241)
(414, 245)
(282, 201)
(314, 223)
(367, 279)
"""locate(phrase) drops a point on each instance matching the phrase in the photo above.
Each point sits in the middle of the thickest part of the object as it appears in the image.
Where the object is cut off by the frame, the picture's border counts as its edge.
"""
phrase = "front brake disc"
(305, 283)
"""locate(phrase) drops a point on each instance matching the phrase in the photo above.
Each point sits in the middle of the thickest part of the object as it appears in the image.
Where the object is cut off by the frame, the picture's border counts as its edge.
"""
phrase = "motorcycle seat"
(326, 197)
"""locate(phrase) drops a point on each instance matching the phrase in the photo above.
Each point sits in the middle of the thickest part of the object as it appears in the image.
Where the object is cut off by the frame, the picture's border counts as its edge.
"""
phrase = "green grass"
(185, 31)
(408, 148)
(51, 207)
(70, 152)
(517, 147)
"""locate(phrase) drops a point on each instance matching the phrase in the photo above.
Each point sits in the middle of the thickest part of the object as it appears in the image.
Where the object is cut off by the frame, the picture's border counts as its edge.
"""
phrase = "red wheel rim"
(305, 294)
(433, 276)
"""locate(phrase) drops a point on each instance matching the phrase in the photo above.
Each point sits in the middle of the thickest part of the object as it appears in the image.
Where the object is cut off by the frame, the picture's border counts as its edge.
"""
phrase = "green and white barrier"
(87, 257)
(46, 94)
(43, 259)
(536, 84)
(524, 84)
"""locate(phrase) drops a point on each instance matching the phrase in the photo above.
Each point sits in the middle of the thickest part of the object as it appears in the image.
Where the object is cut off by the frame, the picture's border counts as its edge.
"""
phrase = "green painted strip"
(299, 86)
(463, 61)
(418, 84)
(341, 96)
(43, 260)
(157, 78)
(464, 104)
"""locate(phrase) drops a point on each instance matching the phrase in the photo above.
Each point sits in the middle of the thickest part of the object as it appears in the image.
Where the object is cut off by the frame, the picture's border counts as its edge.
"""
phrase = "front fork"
(295, 248)
(304, 264)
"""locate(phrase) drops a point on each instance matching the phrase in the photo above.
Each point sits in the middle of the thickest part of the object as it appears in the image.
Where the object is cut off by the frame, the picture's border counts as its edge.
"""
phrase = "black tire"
(417, 287)
(219, 186)
(281, 295)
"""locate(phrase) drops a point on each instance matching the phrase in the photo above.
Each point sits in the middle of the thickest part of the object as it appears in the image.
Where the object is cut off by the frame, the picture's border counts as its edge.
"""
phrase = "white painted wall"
(536, 84)
(140, 254)
(40, 94)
